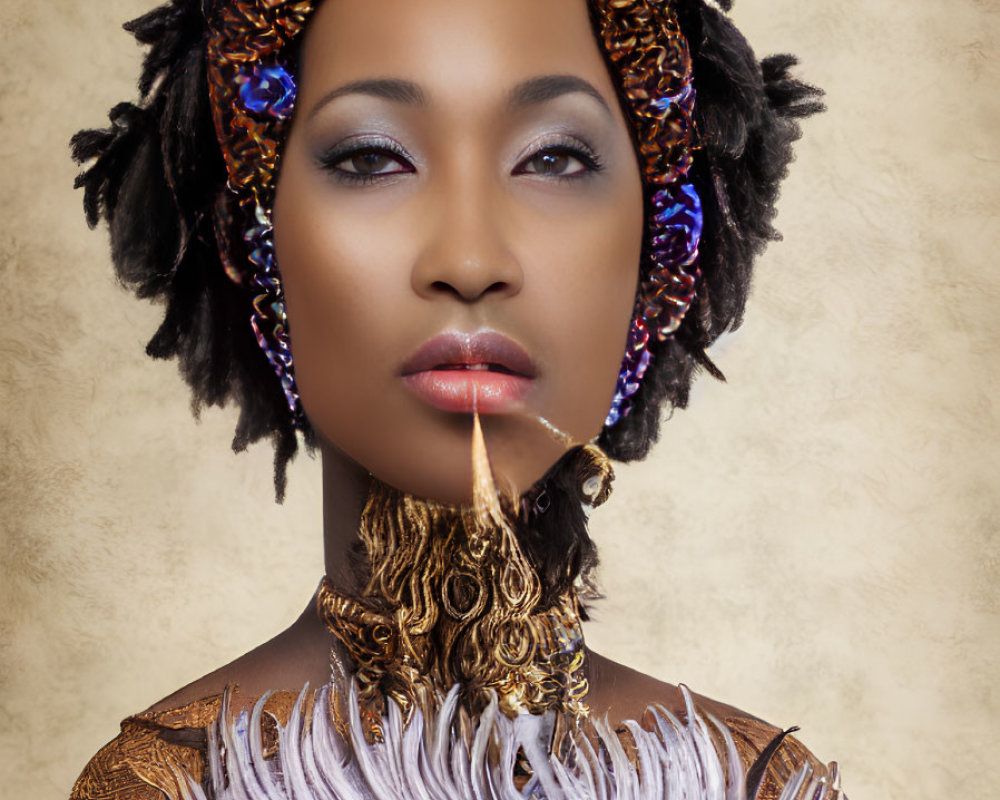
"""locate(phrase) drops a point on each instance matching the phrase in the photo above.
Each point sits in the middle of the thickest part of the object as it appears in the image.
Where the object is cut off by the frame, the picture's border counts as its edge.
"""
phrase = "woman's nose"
(466, 253)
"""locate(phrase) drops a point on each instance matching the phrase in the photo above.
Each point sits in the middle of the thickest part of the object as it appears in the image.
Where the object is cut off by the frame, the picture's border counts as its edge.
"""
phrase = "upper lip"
(460, 349)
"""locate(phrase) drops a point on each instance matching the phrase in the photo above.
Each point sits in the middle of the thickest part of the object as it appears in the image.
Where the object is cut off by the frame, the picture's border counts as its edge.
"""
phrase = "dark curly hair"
(158, 169)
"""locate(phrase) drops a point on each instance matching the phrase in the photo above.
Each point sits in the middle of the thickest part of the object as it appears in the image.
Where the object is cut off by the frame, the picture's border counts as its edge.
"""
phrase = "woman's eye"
(365, 163)
(553, 164)
(371, 162)
(559, 162)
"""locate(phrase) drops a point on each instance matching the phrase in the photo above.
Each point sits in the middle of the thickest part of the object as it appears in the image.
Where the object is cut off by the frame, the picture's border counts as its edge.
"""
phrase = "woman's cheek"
(589, 281)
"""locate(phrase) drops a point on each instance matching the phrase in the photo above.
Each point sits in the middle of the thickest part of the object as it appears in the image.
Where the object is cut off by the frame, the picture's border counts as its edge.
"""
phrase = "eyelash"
(562, 146)
(565, 146)
(358, 147)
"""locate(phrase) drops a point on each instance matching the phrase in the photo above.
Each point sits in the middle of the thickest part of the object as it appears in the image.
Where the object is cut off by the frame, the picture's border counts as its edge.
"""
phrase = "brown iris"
(370, 162)
(551, 163)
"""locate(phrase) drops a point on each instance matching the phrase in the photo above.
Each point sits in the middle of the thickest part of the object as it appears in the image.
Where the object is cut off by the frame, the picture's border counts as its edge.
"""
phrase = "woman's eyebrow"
(533, 91)
(394, 89)
(548, 87)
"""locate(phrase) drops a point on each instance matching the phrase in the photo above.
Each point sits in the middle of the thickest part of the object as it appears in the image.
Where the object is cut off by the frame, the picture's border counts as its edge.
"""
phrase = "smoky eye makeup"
(368, 159)
(560, 157)
(364, 160)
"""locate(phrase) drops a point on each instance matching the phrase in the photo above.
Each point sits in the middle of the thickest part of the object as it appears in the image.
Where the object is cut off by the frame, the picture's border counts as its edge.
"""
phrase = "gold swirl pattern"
(450, 598)
(445, 605)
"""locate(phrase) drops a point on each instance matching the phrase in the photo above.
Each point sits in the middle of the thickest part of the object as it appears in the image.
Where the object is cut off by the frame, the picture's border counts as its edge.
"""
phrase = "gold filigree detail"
(138, 765)
(450, 598)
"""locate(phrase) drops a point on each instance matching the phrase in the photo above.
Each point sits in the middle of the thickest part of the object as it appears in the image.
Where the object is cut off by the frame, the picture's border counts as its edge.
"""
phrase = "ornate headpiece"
(252, 88)
(650, 59)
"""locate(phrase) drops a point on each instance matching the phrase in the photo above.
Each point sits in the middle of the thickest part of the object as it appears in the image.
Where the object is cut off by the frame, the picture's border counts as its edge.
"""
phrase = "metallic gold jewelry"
(450, 598)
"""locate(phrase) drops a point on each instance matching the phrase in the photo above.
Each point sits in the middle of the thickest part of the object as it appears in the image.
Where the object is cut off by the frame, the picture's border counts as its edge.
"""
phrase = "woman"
(464, 193)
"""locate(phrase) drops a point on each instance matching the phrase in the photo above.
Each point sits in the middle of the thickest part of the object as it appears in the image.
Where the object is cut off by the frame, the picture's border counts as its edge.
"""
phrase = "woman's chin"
(452, 484)
(519, 452)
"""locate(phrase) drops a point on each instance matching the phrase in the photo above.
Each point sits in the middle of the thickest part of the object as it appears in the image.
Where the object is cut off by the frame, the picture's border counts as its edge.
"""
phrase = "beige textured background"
(825, 551)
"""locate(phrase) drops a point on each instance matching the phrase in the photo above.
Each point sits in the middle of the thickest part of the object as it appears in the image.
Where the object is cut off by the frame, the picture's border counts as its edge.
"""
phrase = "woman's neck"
(346, 485)
(425, 596)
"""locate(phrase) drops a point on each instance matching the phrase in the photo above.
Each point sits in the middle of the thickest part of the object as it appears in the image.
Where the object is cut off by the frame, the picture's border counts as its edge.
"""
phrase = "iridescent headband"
(252, 90)
(253, 93)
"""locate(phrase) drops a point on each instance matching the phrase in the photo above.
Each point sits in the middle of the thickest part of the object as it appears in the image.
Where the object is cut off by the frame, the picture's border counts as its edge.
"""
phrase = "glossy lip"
(461, 372)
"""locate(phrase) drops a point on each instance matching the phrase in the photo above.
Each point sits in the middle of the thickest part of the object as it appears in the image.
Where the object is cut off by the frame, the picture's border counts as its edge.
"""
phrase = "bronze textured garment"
(452, 678)
(189, 754)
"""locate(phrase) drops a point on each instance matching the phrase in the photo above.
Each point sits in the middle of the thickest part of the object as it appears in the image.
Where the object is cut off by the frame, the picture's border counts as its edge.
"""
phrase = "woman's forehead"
(450, 47)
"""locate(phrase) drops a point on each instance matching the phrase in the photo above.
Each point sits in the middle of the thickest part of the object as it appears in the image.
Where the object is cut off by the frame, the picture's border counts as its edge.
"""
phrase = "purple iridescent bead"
(268, 89)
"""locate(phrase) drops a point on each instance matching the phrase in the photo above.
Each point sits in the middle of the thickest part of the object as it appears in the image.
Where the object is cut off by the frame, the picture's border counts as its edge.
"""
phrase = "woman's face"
(458, 222)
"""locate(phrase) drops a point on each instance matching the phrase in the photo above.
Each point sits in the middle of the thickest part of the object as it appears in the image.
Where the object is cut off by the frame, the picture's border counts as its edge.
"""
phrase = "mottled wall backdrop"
(815, 541)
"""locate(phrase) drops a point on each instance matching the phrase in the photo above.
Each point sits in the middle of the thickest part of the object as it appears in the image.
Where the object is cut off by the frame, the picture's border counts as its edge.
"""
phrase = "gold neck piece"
(450, 598)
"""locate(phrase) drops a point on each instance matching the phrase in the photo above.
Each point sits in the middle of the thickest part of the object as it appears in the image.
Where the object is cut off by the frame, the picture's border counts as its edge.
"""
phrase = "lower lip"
(465, 391)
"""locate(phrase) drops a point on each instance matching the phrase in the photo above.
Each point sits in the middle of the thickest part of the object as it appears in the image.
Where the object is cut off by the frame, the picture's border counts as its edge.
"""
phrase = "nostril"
(468, 293)
(443, 287)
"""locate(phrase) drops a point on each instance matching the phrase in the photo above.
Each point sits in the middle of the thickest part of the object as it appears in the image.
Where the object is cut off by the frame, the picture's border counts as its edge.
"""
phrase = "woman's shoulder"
(167, 741)
(162, 747)
(770, 756)
(297, 656)
(156, 746)
(143, 760)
